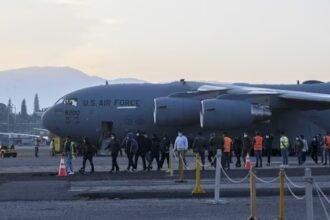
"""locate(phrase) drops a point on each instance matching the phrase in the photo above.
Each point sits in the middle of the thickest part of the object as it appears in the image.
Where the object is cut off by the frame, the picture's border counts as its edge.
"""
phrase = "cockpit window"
(71, 101)
(59, 101)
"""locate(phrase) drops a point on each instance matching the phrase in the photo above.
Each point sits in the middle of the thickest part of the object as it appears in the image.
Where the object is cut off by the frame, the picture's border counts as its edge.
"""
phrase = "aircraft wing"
(296, 99)
(10, 134)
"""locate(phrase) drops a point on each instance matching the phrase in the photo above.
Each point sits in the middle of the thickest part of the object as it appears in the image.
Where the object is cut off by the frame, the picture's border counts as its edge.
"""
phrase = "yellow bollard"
(253, 199)
(181, 169)
(198, 188)
(281, 194)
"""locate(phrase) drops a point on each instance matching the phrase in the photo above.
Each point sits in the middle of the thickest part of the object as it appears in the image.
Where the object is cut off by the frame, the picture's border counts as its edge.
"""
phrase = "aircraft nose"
(47, 119)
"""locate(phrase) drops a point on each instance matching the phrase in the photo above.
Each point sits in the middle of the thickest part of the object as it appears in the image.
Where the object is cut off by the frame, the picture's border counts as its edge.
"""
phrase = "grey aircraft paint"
(167, 108)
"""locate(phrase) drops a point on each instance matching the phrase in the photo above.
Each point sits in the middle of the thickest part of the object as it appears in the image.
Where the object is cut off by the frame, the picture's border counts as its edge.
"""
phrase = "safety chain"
(293, 184)
(265, 181)
(230, 179)
(293, 194)
(317, 186)
(319, 192)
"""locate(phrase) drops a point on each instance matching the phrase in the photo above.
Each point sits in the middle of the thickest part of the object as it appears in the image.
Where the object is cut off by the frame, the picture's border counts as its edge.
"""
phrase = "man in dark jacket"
(247, 146)
(114, 148)
(298, 147)
(141, 152)
(146, 142)
(216, 143)
(238, 146)
(314, 148)
(88, 153)
(268, 143)
(199, 146)
(155, 150)
(131, 147)
(165, 144)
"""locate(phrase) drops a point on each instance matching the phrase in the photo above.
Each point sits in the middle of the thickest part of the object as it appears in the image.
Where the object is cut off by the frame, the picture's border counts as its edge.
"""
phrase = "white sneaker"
(71, 173)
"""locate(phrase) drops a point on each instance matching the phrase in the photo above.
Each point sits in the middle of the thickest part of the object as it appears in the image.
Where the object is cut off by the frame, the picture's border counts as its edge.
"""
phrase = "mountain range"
(50, 83)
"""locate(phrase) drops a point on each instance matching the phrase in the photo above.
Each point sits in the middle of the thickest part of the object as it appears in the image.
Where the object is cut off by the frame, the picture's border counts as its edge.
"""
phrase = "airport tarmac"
(151, 209)
(31, 185)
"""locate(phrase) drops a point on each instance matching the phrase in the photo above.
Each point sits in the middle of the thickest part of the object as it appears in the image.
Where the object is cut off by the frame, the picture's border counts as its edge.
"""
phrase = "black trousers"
(130, 161)
(238, 159)
(202, 155)
(114, 162)
(90, 159)
(314, 156)
(269, 154)
(143, 157)
(210, 157)
(226, 160)
(154, 156)
(36, 150)
(162, 160)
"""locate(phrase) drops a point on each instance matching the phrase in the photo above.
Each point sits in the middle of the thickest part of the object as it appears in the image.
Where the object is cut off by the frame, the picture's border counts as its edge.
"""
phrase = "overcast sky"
(233, 40)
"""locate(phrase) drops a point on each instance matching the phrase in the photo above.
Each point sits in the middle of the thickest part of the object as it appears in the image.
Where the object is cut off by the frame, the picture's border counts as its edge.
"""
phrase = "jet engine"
(169, 111)
(229, 114)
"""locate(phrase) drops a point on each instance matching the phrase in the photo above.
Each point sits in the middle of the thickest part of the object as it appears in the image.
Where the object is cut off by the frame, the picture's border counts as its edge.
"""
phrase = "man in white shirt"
(181, 145)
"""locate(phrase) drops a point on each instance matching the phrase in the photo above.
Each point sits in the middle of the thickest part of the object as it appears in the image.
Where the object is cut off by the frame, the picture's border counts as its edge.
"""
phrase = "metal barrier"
(284, 182)
(198, 188)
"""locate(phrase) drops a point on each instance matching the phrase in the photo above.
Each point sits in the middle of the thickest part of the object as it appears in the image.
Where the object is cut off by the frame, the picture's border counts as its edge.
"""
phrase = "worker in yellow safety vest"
(327, 148)
(284, 145)
(258, 142)
(227, 147)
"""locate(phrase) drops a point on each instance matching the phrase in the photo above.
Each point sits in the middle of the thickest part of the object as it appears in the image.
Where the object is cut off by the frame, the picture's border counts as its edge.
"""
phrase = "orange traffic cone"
(247, 162)
(61, 169)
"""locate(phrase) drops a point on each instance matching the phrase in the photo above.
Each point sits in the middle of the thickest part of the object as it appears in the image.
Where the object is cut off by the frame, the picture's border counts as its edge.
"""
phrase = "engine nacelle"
(176, 111)
(228, 114)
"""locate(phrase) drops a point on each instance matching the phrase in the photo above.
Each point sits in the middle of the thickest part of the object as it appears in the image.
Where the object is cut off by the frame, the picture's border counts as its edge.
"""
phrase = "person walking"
(69, 153)
(36, 147)
(199, 146)
(88, 154)
(215, 144)
(165, 144)
(258, 142)
(181, 145)
(146, 143)
(284, 146)
(238, 146)
(298, 147)
(131, 147)
(155, 150)
(268, 147)
(314, 148)
(141, 152)
(247, 146)
(114, 148)
(327, 148)
(227, 148)
(305, 149)
(321, 148)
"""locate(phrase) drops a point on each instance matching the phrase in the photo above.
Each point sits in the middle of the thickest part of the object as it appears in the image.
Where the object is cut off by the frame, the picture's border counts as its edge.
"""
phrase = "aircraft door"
(105, 138)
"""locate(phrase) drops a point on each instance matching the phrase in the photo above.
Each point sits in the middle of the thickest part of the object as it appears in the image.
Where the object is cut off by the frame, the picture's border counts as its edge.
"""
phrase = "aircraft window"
(61, 100)
(71, 101)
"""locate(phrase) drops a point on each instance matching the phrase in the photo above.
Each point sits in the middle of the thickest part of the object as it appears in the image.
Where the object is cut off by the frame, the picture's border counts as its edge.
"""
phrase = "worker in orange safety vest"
(258, 142)
(227, 147)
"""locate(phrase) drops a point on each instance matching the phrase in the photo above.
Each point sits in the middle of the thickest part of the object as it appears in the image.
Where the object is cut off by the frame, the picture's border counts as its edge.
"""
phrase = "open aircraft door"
(106, 130)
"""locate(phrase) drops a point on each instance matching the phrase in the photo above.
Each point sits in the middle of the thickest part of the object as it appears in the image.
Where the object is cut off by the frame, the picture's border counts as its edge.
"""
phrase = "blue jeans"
(284, 153)
(327, 155)
(258, 158)
(68, 163)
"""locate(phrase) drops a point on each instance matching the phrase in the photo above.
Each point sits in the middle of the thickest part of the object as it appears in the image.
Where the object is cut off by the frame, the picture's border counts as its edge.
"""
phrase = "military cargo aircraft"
(98, 111)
